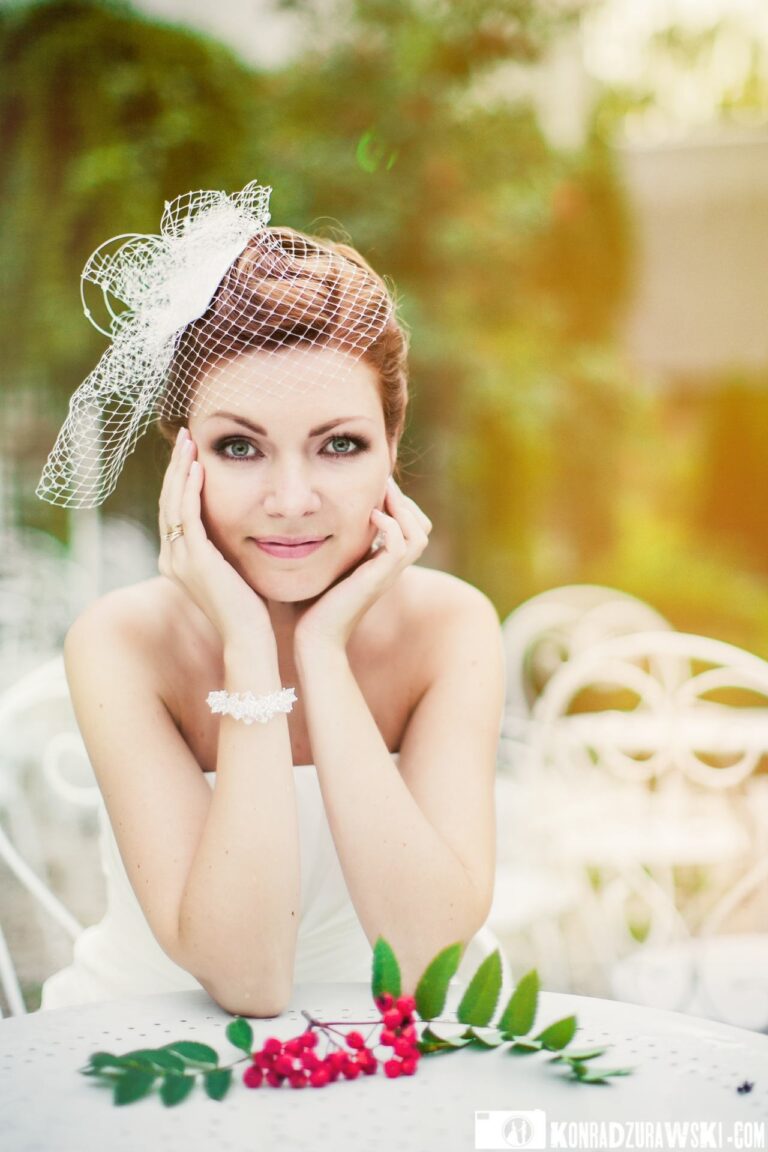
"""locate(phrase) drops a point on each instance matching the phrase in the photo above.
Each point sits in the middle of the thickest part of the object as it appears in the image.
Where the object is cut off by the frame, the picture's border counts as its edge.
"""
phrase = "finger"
(190, 513)
(163, 498)
(177, 478)
(409, 516)
(392, 539)
(401, 500)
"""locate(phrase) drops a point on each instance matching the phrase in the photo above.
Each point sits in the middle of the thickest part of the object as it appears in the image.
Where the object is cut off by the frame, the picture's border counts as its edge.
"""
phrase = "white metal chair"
(542, 635)
(552, 627)
(659, 791)
(41, 592)
(536, 896)
(38, 731)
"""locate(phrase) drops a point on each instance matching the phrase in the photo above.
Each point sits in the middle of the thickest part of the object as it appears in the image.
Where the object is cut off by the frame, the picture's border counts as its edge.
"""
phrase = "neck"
(284, 617)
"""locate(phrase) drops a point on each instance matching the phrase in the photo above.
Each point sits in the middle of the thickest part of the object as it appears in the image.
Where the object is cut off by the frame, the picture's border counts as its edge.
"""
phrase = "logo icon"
(501, 1129)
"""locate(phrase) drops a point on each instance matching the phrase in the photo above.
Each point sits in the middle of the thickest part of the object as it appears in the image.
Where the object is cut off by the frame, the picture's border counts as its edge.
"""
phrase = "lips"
(291, 548)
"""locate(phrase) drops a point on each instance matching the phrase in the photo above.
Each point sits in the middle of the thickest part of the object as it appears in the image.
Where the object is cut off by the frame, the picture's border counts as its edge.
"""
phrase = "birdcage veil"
(215, 284)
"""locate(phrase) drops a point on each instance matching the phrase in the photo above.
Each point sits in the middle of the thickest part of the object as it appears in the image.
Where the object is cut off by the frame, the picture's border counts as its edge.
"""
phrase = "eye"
(346, 445)
(236, 449)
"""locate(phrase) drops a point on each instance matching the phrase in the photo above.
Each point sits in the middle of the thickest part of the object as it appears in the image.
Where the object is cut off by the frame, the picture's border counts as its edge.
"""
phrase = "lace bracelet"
(250, 708)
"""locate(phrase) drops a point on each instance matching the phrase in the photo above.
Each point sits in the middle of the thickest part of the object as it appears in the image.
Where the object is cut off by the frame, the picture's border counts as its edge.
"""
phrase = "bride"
(345, 701)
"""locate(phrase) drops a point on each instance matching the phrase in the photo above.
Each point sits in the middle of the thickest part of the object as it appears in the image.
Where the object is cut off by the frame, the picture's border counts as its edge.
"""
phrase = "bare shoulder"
(444, 622)
(126, 622)
(438, 600)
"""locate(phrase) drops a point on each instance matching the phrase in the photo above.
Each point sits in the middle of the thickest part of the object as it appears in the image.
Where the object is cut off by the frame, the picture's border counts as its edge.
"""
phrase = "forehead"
(295, 383)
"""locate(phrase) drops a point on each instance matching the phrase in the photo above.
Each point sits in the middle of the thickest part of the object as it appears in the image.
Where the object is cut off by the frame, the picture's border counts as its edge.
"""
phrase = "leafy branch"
(180, 1063)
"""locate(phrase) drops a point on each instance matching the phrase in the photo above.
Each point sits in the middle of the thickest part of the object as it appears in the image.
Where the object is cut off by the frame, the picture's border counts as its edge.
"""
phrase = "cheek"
(222, 500)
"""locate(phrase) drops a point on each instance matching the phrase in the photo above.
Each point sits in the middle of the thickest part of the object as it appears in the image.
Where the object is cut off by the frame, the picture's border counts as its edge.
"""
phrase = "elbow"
(257, 1003)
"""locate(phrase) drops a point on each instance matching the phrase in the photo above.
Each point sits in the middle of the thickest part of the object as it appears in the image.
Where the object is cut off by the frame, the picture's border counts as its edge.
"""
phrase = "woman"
(354, 698)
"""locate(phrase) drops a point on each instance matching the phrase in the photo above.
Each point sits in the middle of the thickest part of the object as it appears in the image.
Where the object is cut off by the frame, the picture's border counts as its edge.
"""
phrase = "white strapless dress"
(120, 957)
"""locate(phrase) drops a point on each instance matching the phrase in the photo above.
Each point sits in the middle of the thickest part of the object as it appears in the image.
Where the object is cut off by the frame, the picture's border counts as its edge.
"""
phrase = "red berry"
(274, 1078)
(298, 1080)
(284, 1065)
(392, 1069)
(351, 1070)
(403, 1047)
(320, 1077)
(309, 1059)
(409, 1033)
(310, 1039)
(405, 1004)
(272, 1046)
(253, 1076)
(387, 1037)
(338, 1059)
(384, 1002)
(355, 1040)
(408, 1067)
(293, 1046)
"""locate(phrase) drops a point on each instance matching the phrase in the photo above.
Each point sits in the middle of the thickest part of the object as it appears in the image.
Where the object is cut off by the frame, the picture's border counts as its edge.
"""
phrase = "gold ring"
(173, 533)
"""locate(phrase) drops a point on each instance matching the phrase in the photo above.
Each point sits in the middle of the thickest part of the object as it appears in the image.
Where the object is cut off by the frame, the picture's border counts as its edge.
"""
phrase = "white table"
(685, 1069)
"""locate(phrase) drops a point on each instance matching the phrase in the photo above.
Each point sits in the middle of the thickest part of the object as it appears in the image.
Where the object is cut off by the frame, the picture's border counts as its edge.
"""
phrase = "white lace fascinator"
(215, 284)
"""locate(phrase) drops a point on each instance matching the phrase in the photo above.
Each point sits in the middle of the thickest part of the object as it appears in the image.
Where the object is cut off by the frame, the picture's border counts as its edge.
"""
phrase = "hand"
(405, 530)
(193, 562)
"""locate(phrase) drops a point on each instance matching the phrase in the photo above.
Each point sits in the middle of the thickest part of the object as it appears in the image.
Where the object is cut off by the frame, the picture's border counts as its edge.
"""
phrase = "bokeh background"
(571, 198)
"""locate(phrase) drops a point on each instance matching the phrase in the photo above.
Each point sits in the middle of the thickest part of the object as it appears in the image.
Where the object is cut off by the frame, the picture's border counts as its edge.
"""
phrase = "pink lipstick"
(290, 549)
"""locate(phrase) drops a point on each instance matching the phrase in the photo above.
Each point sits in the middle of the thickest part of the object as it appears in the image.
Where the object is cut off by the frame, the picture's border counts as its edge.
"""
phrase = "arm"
(417, 845)
(239, 912)
(217, 876)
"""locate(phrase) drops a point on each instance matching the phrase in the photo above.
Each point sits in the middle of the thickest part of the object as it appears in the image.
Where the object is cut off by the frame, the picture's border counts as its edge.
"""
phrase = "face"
(284, 464)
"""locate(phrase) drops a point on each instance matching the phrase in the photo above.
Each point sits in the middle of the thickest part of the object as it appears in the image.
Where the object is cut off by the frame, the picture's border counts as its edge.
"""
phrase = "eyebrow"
(257, 428)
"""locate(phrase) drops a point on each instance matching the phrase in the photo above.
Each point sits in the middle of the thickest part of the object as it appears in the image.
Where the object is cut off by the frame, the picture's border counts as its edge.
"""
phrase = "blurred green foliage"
(529, 436)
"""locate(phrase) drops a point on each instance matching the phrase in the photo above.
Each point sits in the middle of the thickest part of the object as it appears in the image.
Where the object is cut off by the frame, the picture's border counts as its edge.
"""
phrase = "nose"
(290, 491)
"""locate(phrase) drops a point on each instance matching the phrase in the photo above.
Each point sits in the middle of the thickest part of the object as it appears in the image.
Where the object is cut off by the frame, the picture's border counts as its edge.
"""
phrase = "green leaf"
(109, 1065)
(524, 1047)
(599, 1075)
(134, 1085)
(193, 1053)
(520, 1012)
(432, 988)
(446, 1030)
(431, 1046)
(157, 1058)
(386, 970)
(175, 1088)
(484, 1037)
(479, 1001)
(452, 1034)
(99, 1060)
(577, 1057)
(240, 1033)
(559, 1034)
(217, 1082)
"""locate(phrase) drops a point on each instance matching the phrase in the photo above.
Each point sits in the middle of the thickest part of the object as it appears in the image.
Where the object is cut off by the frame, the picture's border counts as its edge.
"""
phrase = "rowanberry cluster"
(399, 1033)
(296, 1061)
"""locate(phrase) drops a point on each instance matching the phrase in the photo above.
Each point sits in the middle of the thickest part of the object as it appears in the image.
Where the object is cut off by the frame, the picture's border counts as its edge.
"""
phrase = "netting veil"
(217, 284)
